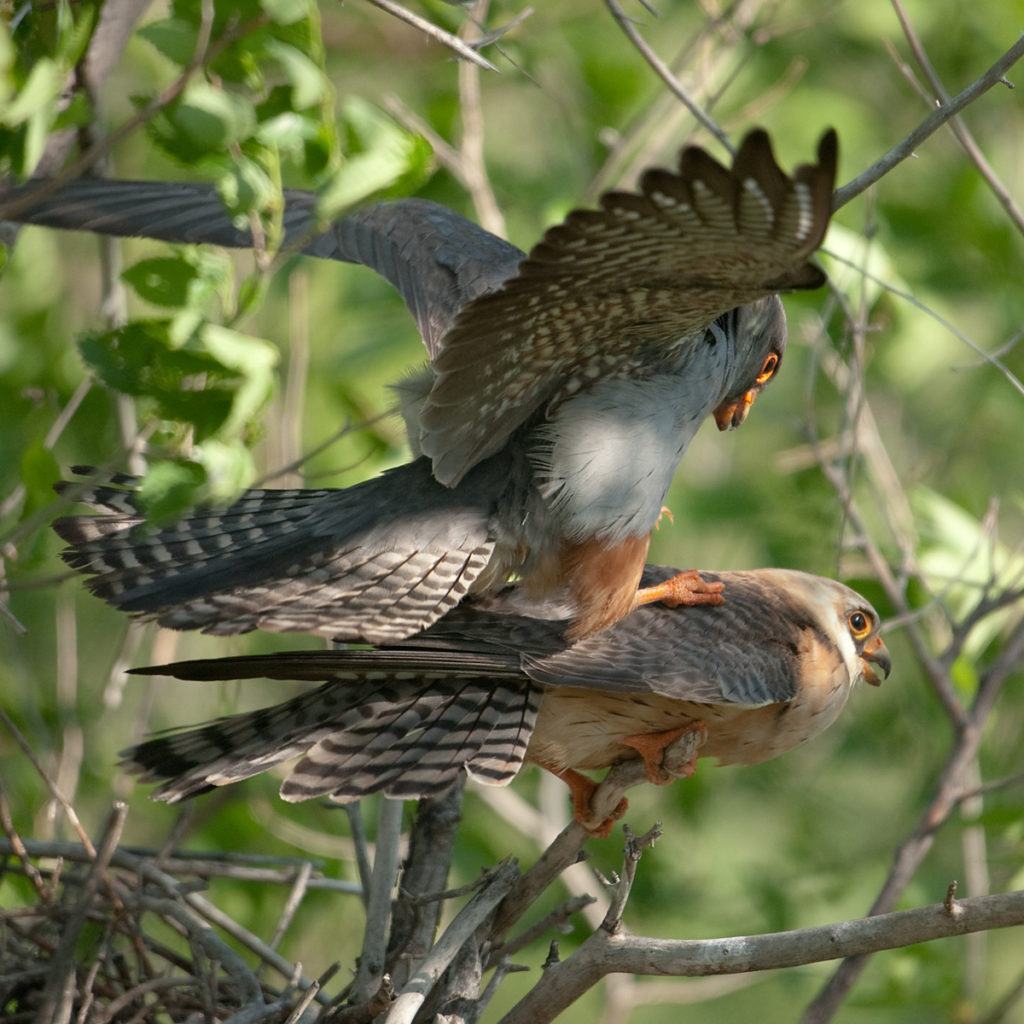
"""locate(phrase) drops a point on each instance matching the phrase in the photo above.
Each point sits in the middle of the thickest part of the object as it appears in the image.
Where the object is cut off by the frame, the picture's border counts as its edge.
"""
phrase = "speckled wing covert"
(618, 287)
(437, 259)
(470, 692)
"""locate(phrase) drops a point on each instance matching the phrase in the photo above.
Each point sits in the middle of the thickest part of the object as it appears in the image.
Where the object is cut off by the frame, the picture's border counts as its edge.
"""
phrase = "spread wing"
(437, 260)
(619, 286)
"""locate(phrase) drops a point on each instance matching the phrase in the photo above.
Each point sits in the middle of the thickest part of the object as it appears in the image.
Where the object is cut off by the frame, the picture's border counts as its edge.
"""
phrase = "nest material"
(93, 937)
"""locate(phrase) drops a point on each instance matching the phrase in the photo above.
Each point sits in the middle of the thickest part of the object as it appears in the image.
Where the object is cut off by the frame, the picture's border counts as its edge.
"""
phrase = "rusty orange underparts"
(651, 747)
(687, 588)
(604, 581)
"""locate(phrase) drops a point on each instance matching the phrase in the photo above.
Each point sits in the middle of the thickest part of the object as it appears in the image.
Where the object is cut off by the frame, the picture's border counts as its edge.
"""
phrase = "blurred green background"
(805, 840)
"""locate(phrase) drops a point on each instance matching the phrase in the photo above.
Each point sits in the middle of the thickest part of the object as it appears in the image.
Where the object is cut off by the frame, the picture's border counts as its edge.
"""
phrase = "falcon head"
(758, 333)
(849, 622)
(870, 647)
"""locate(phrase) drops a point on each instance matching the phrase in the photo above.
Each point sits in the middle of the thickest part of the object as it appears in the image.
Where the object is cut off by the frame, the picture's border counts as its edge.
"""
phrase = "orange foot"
(687, 588)
(651, 747)
(582, 790)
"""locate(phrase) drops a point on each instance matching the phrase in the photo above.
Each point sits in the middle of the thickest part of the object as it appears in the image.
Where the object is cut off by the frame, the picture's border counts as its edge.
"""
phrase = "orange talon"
(582, 789)
(688, 588)
(651, 747)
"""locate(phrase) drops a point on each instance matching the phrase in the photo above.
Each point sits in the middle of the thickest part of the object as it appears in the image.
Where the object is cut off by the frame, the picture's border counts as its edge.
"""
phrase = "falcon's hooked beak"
(877, 653)
(730, 415)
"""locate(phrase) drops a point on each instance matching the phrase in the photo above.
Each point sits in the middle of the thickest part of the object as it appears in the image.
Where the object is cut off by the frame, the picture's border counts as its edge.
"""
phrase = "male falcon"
(565, 387)
(488, 687)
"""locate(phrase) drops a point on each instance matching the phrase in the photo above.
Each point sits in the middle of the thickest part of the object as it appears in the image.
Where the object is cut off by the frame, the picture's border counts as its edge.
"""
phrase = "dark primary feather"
(437, 259)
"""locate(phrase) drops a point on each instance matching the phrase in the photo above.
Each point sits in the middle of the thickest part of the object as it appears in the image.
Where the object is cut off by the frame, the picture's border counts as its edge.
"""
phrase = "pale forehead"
(818, 591)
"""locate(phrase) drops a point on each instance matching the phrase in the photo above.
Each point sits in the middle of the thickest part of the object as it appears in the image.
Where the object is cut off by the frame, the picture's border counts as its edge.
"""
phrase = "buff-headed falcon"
(492, 685)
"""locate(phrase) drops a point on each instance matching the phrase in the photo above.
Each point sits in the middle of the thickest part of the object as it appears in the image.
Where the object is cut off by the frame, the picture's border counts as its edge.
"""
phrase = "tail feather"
(413, 751)
(378, 561)
(405, 737)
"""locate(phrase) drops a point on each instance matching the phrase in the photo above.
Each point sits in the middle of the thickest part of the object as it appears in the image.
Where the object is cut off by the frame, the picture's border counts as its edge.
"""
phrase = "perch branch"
(606, 953)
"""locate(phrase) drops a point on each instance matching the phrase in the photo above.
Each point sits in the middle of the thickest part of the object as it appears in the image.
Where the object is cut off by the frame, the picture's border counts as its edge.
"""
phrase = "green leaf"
(253, 360)
(247, 187)
(203, 124)
(39, 95)
(75, 33)
(217, 381)
(78, 113)
(213, 117)
(287, 130)
(229, 468)
(309, 83)
(287, 12)
(164, 281)
(169, 489)
(383, 154)
(175, 38)
(185, 384)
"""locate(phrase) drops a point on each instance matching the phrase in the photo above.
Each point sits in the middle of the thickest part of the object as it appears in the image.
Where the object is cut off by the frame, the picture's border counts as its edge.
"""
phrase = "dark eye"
(770, 366)
(860, 625)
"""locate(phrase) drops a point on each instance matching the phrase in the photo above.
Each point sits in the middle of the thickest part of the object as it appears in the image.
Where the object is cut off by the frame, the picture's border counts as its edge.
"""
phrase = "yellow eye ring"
(860, 625)
(771, 364)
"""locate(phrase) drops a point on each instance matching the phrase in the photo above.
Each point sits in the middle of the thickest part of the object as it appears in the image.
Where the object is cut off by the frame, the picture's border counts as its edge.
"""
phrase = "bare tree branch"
(664, 72)
(956, 125)
(378, 903)
(929, 126)
(438, 34)
(466, 922)
(603, 952)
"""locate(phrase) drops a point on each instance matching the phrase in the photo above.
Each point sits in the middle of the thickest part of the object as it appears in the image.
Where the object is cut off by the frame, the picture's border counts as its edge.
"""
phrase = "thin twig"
(956, 125)
(56, 1001)
(556, 920)
(664, 72)
(50, 784)
(635, 846)
(378, 903)
(931, 124)
(435, 33)
(471, 146)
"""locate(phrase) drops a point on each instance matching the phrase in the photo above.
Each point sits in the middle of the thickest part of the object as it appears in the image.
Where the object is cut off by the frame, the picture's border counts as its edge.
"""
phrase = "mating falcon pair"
(563, 390)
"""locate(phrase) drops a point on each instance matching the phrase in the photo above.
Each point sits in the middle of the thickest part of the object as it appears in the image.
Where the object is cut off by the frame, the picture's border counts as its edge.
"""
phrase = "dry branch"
(931, 124)
(604, 952)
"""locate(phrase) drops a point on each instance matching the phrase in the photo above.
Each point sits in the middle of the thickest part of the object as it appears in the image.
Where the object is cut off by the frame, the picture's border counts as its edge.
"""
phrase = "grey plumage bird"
(564, 389)
(495, 684)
